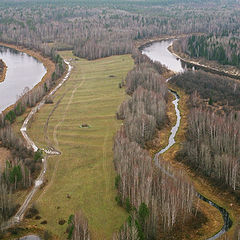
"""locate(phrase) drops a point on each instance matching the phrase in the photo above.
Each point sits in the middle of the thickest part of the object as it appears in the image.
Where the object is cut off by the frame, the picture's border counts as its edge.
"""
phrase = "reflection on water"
(23, 71)
(158, 51)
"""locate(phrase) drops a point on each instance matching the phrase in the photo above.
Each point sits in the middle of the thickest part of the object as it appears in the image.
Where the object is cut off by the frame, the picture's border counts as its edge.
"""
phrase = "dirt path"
(20, 213)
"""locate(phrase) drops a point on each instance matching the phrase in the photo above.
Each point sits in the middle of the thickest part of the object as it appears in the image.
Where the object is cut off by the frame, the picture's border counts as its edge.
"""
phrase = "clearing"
(83, 176)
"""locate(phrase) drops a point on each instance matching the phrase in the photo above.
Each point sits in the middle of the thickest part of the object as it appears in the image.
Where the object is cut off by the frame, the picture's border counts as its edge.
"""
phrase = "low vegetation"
(82, 177)
(79, 120)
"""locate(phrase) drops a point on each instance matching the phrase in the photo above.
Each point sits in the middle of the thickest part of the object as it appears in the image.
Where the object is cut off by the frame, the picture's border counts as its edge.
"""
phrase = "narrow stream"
(158, 51)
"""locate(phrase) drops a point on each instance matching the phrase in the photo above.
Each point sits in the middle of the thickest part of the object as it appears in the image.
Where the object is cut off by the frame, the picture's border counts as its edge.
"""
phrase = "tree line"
(2, 66)
(156, 198)
(222, 48)
(212, 144)
(93, 32)
(21, 169)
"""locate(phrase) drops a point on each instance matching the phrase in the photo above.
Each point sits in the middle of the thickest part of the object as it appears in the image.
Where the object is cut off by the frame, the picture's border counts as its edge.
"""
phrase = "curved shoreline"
(39, 181)
(225, 215)
(147, 42)
(227, 218)
(3, 74)
(47, 62)
(192, 63)
(140, 44)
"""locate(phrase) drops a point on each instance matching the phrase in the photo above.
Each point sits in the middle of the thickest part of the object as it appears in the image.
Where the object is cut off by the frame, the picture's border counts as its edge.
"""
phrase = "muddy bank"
(3, 70)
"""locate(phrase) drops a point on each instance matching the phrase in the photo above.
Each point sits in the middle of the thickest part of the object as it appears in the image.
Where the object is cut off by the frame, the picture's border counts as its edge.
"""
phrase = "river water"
(23, 71)
(158, 51)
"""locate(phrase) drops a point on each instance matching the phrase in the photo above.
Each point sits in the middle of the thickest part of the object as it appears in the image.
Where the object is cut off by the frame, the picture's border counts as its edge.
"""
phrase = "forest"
(2, 66)
(215, 89)
(24, 165)
(157, 199)
(222, 48)
(212, 143)
(93, 32)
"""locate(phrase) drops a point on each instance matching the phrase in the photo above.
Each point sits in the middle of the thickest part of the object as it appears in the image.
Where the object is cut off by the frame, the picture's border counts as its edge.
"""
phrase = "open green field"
(85, 169)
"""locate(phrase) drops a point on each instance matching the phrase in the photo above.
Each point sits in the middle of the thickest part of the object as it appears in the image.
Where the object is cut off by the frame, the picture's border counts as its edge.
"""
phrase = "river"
(158, 51)
(23, 72)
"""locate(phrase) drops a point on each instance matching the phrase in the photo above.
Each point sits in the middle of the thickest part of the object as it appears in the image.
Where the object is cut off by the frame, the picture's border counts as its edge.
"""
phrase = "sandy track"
(20, 213)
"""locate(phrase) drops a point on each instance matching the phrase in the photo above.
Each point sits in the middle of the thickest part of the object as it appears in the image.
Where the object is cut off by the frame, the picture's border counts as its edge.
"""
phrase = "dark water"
(158, 51)
(23, 72)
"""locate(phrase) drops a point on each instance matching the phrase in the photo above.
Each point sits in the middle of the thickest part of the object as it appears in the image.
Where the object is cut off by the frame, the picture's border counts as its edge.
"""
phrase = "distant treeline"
(95, 29)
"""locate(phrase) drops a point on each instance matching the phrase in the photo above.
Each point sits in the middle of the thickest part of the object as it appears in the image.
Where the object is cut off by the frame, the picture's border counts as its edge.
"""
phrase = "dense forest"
(93, 30)
(21, 169)
(222, 48)
(213, 137)
(156, 198)
(215, 89)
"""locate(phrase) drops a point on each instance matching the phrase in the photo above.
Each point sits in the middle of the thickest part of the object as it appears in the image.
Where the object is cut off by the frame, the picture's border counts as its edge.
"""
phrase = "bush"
(10, 116)
(38, 155)
(119, 200)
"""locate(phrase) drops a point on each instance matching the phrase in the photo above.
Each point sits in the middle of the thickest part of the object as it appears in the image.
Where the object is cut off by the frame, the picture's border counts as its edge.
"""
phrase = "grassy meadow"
(83, 176)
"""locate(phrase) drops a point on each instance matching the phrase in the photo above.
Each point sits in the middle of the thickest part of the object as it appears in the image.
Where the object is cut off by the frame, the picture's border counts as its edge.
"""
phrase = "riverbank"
(221, 197)
(140, 44)
(208, 66)
(47, 62)
(3, 70)
(211, 215)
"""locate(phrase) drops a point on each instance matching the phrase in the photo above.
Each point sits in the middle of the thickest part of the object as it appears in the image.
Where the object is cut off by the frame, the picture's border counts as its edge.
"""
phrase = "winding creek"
(23, 72)
(158, 51)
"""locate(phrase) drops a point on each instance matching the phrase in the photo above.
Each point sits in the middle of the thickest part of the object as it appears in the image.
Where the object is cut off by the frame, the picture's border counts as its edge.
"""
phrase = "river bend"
(158, 51)
(23, 73)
